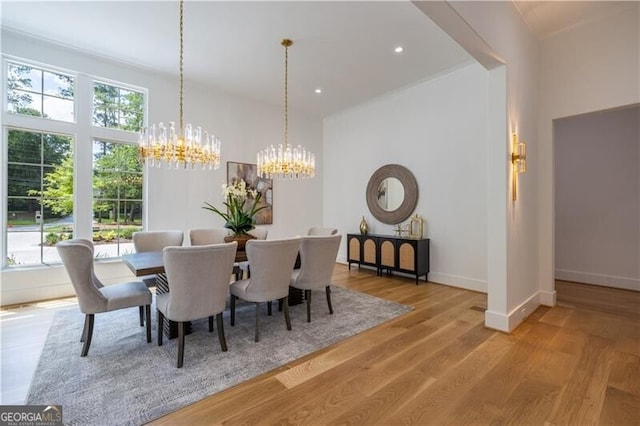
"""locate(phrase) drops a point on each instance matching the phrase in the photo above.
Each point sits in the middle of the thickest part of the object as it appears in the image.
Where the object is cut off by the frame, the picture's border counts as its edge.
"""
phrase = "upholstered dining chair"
(200, 237)
(318, 230)
(318, 257)
(93, 296)
(271, 266)
(260, 232)
(198, 279)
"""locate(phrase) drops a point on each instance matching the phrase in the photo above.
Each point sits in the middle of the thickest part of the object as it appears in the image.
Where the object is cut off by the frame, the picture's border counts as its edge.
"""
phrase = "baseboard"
(598, 279)
(548, 298)
(458, 281)
(509, 322)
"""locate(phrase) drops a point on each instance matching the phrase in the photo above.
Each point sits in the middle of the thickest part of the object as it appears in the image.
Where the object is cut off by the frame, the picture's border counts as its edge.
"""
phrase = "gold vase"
(364, 228)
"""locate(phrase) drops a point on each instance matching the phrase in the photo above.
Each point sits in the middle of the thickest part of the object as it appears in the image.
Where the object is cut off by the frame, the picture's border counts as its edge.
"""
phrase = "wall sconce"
(518, 163)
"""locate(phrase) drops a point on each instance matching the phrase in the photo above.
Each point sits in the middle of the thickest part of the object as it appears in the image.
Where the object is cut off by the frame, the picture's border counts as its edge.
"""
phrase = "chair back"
(317, 260)
(77, 258)
(271, 263)
(259, 232)
(318, 230)
(156, 240)
(201, 237)
(198, 279)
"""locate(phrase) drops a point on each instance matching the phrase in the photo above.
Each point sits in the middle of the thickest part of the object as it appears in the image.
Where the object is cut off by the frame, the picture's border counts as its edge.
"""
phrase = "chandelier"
(182, 147)
(285, 161)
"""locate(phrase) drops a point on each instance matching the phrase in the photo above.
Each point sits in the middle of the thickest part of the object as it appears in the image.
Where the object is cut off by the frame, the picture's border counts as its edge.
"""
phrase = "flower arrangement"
(238, 219)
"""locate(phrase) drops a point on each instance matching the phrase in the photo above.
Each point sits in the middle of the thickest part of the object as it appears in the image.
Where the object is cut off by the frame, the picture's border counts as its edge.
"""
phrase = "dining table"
(151, 263)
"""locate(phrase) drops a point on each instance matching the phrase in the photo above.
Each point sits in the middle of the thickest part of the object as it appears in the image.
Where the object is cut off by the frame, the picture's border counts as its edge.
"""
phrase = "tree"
(58, 192)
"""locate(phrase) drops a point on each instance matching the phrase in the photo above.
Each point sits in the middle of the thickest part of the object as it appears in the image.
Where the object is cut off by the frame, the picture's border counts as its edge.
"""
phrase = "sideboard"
(389, 253)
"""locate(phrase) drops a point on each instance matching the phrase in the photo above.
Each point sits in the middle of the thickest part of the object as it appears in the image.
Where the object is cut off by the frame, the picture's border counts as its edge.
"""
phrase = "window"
(39, 195)
(117, 197)
(43, 160)
(117, 108)
(40, 93)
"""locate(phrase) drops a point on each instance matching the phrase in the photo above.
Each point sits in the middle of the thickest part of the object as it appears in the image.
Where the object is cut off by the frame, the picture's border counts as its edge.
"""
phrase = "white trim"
(548, 298)
(508, 323)
(458, 281)
(599, 279)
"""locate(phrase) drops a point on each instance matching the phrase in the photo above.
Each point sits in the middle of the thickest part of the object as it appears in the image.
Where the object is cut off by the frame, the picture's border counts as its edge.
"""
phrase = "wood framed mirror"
(392, 194)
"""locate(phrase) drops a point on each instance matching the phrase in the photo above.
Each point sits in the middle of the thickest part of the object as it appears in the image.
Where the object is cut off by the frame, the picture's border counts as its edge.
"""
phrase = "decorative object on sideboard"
(401, 229)
(183, 147)
(238, 219)
(518, 164)
(286, 162)
(416, 227)
(392, 194)
(364, 227)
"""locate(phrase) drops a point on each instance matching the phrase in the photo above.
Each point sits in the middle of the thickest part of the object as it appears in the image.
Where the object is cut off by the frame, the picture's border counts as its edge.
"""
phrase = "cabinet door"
(369, 251)
(407, 255)
(387, 254)
(354, 249)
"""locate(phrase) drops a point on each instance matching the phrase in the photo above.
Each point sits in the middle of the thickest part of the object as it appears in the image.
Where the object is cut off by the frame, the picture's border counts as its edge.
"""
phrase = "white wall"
(597, 198)
(589, 68)
(437, 129)
(175, 198)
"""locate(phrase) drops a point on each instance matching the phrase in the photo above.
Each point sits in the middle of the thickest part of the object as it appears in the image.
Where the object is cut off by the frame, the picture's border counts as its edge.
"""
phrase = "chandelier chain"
(181, 64)
(286, 94)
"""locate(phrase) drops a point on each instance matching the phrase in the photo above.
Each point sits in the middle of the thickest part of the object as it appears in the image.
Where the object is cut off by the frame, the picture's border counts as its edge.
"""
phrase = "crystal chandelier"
(285, 161)
(183, 147)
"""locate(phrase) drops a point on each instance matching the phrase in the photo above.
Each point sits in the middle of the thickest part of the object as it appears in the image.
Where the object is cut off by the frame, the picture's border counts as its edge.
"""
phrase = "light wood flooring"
(577, 363)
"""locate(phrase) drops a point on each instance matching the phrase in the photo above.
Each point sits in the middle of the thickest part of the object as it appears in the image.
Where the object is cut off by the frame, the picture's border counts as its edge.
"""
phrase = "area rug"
(125, 380)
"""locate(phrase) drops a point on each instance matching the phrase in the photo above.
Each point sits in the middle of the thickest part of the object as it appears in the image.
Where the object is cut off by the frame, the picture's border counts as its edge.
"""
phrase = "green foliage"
(58, 192)
(52, 238)
(238, 219)
(11, 260)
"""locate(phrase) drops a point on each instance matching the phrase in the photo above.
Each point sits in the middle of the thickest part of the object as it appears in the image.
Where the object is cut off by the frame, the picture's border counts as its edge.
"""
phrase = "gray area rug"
(125, 380)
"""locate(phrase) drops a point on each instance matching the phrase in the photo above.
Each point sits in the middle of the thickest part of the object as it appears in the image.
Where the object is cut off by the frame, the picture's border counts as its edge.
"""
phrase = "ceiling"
(344, 48)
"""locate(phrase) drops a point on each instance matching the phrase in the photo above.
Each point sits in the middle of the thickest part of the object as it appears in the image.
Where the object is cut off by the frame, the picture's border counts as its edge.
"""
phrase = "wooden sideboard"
(389, 253)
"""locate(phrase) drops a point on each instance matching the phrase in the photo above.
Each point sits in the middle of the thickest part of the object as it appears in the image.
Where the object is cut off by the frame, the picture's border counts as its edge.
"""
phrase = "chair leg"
(210, 324)
(141, 316)
(160, 322)
(220, 327)
(88, 324)
(233, 310)
(269, 308)
(84, 330)
(307, 295)
(328, 290)
(257, 338)
(279, 305)
(180, 343)
(147, 309)
(287, 318)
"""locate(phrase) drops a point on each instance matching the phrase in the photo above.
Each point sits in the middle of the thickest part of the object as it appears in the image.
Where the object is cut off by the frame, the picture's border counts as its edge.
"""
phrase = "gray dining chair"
(260, 233)
(271, 266)
(198, 279)
(93, 296)
(199, 237)
(144, 241)
(317, 260)
(318, 230)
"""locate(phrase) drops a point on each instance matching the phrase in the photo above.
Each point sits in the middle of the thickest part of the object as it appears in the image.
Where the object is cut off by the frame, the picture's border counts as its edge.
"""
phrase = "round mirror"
(392, 194)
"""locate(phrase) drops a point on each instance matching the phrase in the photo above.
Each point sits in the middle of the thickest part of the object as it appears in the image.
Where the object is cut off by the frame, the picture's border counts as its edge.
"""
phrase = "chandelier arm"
(181, 65)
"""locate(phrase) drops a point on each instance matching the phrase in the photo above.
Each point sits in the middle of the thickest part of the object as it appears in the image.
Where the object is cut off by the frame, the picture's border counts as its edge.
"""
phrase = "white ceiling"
(345, 48)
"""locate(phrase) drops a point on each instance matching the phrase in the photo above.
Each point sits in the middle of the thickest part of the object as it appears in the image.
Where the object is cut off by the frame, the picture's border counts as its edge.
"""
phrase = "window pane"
(59, 85)
(58, 109)
(23, 234)
(24, 103)
(24, 147)
(56, 148)
(119, 108)
(23, 180)
(24, 77)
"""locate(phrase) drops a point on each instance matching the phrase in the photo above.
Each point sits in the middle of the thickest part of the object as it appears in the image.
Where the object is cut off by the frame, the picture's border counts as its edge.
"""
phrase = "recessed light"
(318, 91)
(398, 49)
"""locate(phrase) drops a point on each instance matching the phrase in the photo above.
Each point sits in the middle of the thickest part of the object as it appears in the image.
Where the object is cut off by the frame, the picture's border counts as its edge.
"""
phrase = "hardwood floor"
(575, 364)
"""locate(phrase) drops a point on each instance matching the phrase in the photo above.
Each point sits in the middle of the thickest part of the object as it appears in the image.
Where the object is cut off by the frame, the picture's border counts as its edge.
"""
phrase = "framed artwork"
(249, 173)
